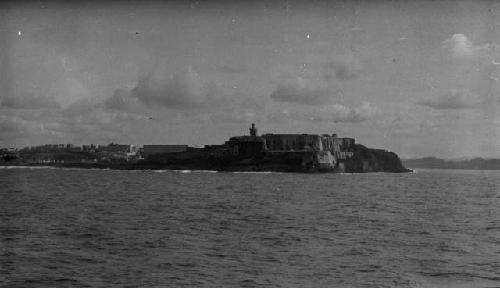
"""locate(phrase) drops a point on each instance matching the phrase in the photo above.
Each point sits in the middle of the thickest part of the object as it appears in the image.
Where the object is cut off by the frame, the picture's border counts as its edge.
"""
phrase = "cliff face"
(373, 160)
(364, 160)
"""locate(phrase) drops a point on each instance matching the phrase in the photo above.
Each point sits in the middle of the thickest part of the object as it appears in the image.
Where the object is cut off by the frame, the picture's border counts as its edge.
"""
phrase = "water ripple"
(94, 228)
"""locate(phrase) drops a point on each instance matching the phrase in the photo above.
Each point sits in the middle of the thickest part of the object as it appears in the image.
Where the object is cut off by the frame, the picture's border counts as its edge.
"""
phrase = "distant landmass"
(473, 163)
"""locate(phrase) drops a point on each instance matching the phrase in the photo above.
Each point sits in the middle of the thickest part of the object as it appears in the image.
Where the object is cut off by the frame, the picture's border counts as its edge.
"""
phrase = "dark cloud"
(64, 28)
(180, 90)
(343, 68)
(27, 102)
(8, 125)
(121, 100)
(15, 128)
(228, 69)
(454, 99)
(300, 94)
(80, 108)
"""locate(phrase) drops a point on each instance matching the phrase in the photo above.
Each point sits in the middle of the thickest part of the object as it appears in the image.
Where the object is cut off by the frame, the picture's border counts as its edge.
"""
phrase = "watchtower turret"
(253, 130)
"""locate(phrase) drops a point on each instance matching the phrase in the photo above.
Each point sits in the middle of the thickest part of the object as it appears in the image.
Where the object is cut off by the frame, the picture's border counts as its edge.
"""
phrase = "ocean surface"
(106, 228)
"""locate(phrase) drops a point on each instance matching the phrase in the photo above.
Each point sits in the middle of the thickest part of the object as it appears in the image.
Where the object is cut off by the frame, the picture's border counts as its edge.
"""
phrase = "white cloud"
(341, 113)
(460, 46)
(366, 110)
(453, 99)
(328, 113)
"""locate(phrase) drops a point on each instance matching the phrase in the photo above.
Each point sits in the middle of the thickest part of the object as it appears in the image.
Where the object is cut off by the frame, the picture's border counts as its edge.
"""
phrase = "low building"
(114, 147)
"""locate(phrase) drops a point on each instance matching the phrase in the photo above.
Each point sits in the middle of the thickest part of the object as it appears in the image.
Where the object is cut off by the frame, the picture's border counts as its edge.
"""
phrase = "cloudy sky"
(418, 78)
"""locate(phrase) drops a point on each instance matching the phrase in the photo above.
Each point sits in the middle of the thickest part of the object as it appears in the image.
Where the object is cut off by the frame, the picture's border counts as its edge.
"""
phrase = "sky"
(420, 78)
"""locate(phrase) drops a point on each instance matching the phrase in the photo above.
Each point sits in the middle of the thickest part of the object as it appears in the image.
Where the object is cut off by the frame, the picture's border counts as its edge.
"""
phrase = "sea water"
(107, 228)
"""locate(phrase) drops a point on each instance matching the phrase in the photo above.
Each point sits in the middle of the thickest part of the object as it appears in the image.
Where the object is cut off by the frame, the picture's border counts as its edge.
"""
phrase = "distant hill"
(433, 162)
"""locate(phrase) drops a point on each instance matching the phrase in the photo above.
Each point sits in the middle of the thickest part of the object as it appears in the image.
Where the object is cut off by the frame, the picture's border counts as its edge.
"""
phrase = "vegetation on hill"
(433, 162)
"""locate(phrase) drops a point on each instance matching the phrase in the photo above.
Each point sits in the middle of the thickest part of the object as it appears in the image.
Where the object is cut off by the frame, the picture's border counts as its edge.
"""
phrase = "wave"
(188, 171)
(254, 172)
(51, 167)
(28, 167)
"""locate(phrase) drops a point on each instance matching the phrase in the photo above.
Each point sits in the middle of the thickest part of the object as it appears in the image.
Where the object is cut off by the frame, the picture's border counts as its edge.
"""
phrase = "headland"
(267, 152)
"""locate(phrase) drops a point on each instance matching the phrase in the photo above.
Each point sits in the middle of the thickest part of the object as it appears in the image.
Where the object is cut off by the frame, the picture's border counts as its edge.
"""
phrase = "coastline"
(237, 166)
(299, 153)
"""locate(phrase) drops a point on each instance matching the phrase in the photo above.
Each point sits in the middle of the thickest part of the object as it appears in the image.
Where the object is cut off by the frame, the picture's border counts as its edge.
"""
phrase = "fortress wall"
(347, 143)
(297, 142)
(149, 150)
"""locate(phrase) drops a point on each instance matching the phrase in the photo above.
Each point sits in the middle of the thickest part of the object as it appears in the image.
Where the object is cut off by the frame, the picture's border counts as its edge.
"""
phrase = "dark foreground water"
(91, 228)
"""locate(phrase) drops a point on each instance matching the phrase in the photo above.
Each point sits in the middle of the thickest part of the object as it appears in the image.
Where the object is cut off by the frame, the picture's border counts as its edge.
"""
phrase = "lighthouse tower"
(253, 130)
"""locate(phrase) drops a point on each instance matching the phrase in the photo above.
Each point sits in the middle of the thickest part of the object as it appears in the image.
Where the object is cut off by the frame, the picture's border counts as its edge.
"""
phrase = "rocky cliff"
(373, 160)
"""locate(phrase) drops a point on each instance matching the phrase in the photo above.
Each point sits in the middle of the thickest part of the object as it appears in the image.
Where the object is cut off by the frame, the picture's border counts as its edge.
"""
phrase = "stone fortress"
(295, 152)
(324, 152)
